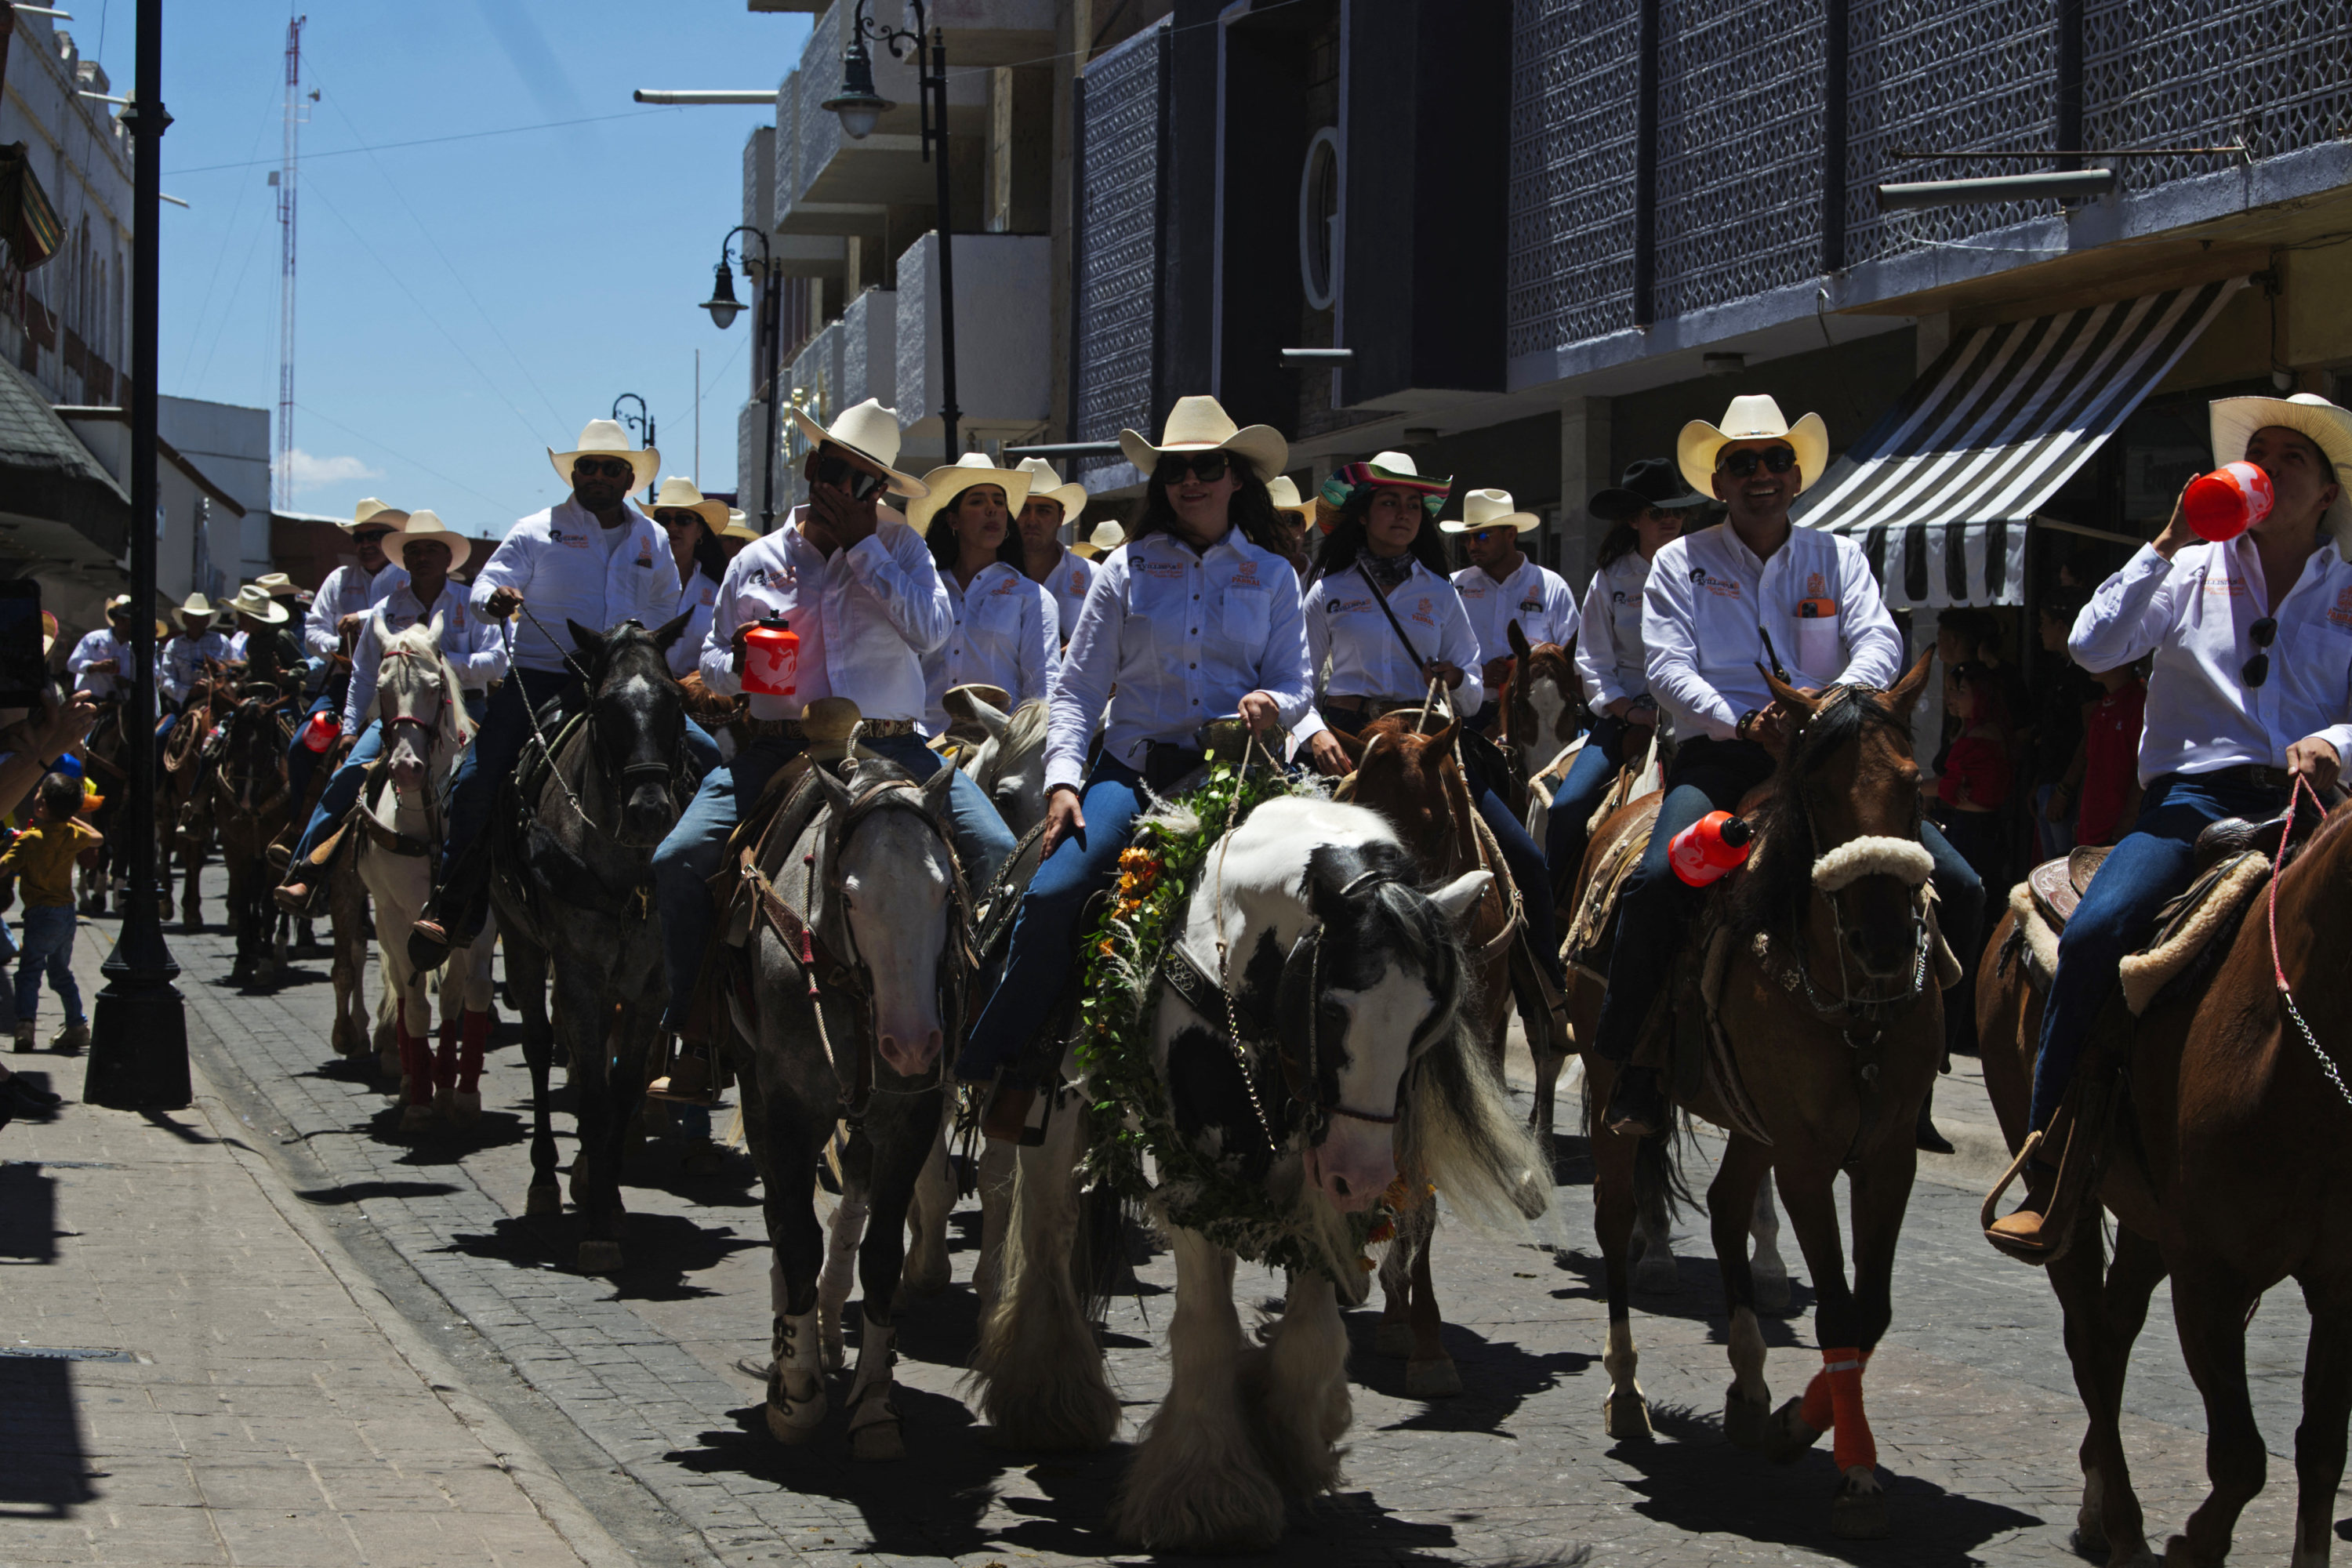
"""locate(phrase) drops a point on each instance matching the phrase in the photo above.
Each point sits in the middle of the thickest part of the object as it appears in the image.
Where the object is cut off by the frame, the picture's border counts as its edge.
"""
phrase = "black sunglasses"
(2258, 669)
(610, 468)
(1206, 467)
(1742, 463)
(371, 537)
(833, 469)
(670, 519)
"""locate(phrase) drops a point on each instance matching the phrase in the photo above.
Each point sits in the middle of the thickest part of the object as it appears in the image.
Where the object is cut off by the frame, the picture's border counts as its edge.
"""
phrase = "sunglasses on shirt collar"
(1742, 463)
(839, 471)
(2258, 669)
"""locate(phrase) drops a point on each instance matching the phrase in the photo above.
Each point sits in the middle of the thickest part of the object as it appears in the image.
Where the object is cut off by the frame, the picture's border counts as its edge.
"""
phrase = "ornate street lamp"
(642, 422)
(724, 308)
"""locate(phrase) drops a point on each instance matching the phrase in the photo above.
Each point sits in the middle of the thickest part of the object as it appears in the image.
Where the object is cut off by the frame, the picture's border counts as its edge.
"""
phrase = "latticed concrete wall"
(1119, 243)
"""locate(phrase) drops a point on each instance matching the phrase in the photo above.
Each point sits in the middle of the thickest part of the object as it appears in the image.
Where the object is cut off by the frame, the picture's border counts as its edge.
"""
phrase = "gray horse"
(571, 882)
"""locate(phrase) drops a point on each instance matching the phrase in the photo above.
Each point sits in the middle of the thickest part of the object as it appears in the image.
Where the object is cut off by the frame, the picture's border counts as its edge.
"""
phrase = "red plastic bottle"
(1708, 848)
(2226, 502)
(772, 658)
(320, 732)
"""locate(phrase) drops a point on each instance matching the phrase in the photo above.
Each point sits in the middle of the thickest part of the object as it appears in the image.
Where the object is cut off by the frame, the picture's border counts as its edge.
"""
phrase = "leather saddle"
(2058, 886)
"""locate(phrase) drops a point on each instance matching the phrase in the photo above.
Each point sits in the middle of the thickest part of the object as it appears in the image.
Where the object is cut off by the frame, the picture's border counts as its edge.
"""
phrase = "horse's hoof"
(928, 1280)
(417, 1118)
(600, 1258)
(1856, 1514)
(2088, 1542)
(704, 1159)
(387, 1064)
(784, 1429)
(1392, 1340)
(1626, 1418)
(1433, 1378)
(1772, 1291)
(1657, 1275)
(464, 1109)
(542, 1202)
(880, 1441)
(1747, 1425)
(2179, 1553)
(1787, 1436)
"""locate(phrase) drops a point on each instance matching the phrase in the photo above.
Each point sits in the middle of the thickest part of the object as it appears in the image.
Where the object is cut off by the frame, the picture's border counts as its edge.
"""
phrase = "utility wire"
(220, 254)
(228, 311)
(423, 142)
(387, 451)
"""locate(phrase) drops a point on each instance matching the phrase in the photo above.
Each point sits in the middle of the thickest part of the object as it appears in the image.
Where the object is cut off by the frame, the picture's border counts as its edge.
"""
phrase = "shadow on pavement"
(361, 1192)
(1700, 1300)
(28, 1217)
(46, 1474)
(1498, 1377)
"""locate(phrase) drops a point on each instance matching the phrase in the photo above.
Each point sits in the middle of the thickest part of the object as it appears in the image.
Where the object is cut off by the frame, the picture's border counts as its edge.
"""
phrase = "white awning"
(1940, 491)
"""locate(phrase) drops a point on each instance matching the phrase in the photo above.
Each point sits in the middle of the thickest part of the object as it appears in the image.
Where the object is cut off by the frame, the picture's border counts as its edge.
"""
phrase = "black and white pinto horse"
(571, 884)
(1360, 978)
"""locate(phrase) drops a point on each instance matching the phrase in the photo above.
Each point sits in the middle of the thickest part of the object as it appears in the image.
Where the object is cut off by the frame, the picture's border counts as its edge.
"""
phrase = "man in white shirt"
(859, 590)
(100, 663)
(1063, 572)
(1709, 596)
(1501, 584)
(2252, 690)
(202, 642)
(338, 613)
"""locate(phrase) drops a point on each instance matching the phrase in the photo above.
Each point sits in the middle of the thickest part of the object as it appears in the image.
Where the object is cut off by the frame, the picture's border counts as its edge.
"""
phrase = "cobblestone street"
(349, 1302)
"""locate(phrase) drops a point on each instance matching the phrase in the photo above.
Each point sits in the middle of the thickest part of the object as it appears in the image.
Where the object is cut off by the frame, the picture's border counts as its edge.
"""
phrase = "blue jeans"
(1565, 836)
(342, 791)
(2154, 861)
(1657, 907)
(498, 746)
(1046, 928)
(689, 856)
(49, 946)
(301, 762)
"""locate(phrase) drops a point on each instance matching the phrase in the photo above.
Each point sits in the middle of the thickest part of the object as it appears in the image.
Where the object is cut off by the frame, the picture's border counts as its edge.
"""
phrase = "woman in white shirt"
(1007, 630)
(692, 526)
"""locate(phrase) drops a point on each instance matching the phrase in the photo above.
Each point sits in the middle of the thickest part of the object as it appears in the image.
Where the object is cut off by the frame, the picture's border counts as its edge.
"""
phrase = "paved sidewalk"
(190, 1373)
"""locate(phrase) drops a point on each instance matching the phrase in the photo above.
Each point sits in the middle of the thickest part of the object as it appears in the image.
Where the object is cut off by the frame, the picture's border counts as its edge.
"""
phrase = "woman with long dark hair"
(1007, 628)
(692, 524)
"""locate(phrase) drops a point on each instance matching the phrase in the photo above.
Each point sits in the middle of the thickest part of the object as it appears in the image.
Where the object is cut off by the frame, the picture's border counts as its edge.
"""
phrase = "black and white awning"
(1940, 491)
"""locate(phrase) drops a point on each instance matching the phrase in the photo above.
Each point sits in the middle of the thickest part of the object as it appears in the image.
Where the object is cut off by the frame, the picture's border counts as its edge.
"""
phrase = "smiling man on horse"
(1712, 598)
(2253, 686)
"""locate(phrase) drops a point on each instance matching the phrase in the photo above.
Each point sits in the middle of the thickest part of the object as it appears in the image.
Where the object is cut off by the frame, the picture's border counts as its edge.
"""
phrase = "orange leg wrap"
(444, 1060)
(1852, 1444)
(469, 1058)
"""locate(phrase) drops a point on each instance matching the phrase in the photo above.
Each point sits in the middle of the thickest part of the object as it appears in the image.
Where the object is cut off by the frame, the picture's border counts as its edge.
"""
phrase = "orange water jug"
(2226, 502)
(319, 732)
(1715, 843)
(772, 658)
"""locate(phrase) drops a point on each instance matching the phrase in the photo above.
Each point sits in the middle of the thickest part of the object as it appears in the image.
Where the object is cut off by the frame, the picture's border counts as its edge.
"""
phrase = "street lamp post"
(642, 422)
(139, 1030)
(860, 107)
(724, 308)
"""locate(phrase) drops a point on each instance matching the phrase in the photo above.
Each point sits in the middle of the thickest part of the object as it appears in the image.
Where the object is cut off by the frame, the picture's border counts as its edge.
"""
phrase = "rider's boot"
(1637, 1105)
(690, 1079)
(453, 916)
(1008, 1113)
(2020, 1230)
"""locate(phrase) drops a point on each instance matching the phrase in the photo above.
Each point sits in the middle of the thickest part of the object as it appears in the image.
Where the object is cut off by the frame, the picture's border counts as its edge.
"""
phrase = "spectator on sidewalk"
(2065, 689)
(2110, 727)
(42, 859)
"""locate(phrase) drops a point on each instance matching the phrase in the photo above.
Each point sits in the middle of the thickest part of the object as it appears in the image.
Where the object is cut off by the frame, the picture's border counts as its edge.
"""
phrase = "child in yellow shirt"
(42, 861)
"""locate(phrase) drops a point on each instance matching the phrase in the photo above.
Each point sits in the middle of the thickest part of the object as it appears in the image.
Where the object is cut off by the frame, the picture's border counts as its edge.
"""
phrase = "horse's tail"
(1099, 1263)
(1461, 1135)
(1658, 1179)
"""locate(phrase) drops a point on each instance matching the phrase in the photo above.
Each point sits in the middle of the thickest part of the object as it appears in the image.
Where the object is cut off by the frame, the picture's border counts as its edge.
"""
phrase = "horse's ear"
(1459, 896)
(836, 793)
(434, 631)
(1906, 692)
(377, 624)
(1520, 649)
(936, 787)
(1356, 746)
(1441, 743)
(586, 641)
(991, 719)
(670, 631)
(1787, 696)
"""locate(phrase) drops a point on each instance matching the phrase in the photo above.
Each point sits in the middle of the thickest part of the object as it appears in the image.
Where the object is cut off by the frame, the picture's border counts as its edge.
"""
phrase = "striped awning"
(1940, 491)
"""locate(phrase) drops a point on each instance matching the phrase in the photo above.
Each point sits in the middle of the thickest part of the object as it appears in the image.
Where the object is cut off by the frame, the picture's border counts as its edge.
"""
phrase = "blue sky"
(464, 304)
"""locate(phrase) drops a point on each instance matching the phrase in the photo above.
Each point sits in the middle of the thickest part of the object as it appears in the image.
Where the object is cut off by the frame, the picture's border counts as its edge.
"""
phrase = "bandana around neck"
(1386, 572)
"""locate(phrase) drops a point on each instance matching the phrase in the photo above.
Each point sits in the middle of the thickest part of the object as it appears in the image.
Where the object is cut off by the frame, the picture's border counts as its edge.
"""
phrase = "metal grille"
(1570, 266)
(1904, 90)
(1739, 149)
(1119, 263)
(2203, 73)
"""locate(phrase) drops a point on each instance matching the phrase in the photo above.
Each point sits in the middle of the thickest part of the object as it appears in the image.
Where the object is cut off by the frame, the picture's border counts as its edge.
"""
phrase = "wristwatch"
(1739, 730)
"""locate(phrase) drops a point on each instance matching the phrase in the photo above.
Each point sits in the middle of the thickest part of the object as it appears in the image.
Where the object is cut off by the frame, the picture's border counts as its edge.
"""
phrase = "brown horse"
(1834, 1030)
(249, 808)
(1416, 781)
(2227, 1168)
(1541, 700)
(183, 812)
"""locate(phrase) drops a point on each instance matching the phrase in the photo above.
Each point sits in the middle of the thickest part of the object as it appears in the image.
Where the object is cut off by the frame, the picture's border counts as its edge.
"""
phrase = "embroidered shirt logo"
(1423, 612)
(2341, 615)
(1815, 587)
(1721, 587)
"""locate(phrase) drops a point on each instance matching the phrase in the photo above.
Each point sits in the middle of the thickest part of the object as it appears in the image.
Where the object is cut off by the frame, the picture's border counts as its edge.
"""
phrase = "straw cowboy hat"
(1105, 538)
(251, 601)
(1754, 418)
(1650, 482)
(1490, 508)
(121, 605)
(942, 486)
(1044, 484)
(1286, 499)
(277, 584)
(196, 610)
(1202, 424)
(605, 438)
(427, 525)
(49, 633)
(679, 494)
(2235, 420)
(1392, 469)
(376, 511)
(871, 431)
(739, 526)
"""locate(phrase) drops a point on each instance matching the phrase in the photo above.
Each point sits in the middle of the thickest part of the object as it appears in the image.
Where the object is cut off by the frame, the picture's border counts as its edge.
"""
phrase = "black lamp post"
(642, 422)
(139, 1029)
(724, 308)
(860, 107)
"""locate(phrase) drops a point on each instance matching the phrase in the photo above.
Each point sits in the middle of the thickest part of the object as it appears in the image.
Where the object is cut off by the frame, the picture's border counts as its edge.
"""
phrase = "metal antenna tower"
(283, 178)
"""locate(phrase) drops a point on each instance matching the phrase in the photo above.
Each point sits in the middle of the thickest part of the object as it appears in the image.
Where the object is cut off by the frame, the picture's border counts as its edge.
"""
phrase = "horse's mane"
(1025, 728)
(1775, 888)
(418, 642)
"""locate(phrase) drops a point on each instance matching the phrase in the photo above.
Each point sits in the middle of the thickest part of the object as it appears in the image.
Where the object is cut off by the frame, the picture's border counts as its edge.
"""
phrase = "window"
(1319, 220)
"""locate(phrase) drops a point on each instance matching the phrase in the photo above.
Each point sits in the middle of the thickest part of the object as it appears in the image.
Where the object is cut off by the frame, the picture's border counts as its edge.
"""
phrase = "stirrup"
(2039, 1253)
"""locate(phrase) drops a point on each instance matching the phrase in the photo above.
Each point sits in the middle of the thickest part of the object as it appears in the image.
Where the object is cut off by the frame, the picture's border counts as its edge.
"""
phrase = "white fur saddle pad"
(2187, 929)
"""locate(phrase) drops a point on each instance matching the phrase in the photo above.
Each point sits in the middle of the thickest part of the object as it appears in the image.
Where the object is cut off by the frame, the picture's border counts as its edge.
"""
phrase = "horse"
(570, 887)
(419, 701)
(1010, 765)
(1539, 701)
(183, 813)
(107, 755)
(2224, 1169)
(1357, 1065)
(1832, 1032)
(858, 970)
(249, 806)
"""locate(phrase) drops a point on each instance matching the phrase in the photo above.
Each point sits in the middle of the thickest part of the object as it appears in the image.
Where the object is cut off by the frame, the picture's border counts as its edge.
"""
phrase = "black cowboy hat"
(1651, 482)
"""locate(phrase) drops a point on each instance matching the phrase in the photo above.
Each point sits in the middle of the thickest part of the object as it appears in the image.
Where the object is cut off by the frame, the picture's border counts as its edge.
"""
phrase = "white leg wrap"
(875, 1356)
(779, 1301)
(796, 1391)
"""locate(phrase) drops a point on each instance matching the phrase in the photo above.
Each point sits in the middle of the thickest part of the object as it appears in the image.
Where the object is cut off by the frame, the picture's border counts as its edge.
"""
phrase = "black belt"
(2252, 775)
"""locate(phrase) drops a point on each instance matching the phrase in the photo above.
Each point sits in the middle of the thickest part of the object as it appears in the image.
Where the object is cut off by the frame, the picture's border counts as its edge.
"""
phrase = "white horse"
(420, 704)
(1358, 1065)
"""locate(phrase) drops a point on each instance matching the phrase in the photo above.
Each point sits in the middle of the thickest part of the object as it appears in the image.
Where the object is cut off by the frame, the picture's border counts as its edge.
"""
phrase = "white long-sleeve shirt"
(2196, 613)
(1707, 596)
(569, 567)
(1344, 622)
(96, 647)
(185, 661)
(1184, 638)
(866, 616)
(1005, 633)
(1608, 653)
(348, 591)
(471, 641)
(699, 599)
(1536, 596)
(1072, 575)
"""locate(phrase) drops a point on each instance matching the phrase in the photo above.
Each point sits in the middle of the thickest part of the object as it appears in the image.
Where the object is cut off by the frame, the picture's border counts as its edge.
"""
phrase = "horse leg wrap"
(1852, 1444)
(875, 1354)
(793, 1415)
(445, 1061)
(416, 1060)
(475, 1040)
(1819, 1410)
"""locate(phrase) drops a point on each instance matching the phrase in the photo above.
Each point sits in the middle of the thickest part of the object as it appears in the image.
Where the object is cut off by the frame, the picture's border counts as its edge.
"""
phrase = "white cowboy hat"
(605, 438)
(1286, 499)
(2235, 420)
(121, 601)
(871, 431)
(942, 486)
(739, 526)
(1044, 484)
(678, 494)
(1395, 470)
(376, 511)
(252, 601)
(1752, 418)
(276, 584)
(1490, 508)
(197, 609)
(1202, 424)
(427, 525)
